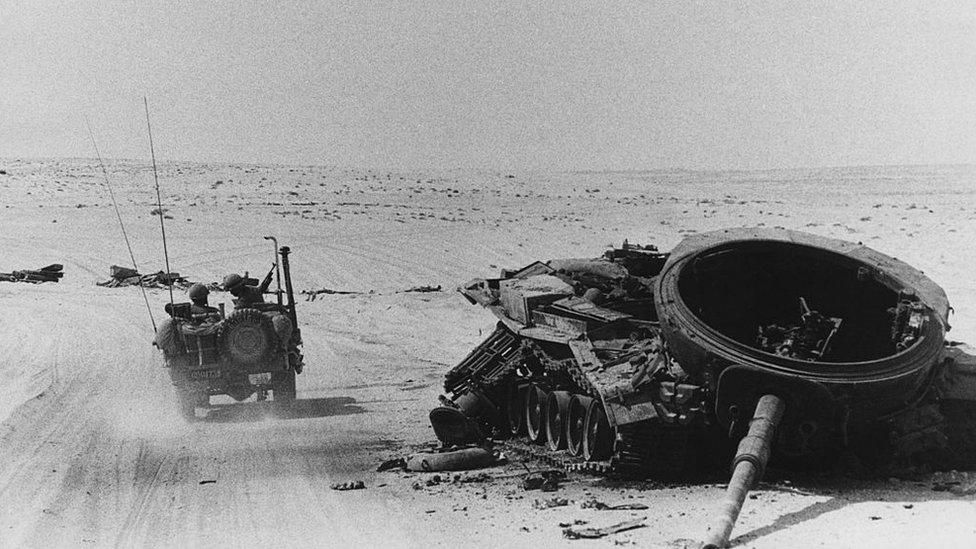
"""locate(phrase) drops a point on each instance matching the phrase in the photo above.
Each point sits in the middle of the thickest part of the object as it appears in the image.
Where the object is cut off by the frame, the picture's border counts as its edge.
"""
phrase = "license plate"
(205, 374)
(259, 379)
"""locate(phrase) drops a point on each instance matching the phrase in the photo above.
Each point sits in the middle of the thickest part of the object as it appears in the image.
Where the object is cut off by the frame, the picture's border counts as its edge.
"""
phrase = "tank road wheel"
(247, 336)
(557, 410)
(597, 437)
(576, 423)
(283, 386)
(187, 400)
(516, 408)
(535, 411)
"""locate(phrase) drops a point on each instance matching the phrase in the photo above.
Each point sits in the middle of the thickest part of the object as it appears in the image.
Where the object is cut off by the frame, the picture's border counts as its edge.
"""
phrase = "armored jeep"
(256, 348)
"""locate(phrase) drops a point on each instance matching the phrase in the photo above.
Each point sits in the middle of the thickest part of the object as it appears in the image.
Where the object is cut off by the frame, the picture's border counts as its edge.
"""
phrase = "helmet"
(232, 281)
(198, 291)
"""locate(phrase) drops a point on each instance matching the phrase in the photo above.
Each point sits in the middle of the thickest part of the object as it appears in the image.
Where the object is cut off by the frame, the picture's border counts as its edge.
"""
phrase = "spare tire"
(247, 336)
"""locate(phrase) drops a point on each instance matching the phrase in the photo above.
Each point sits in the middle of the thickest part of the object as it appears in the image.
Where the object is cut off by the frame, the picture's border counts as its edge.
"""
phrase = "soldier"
(246, 294)
(198, 295)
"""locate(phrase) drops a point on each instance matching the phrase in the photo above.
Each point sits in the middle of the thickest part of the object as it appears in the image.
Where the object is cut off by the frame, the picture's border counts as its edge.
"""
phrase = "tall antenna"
(159, 201)
(118, 214)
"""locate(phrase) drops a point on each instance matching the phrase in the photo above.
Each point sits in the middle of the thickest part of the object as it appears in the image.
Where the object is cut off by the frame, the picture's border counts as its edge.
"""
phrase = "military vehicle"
(650, 364)
(254, 349)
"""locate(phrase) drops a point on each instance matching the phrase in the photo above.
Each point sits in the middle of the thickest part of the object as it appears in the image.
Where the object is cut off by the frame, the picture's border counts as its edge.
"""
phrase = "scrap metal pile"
(649, 364)
(125, 276)
(51, 273)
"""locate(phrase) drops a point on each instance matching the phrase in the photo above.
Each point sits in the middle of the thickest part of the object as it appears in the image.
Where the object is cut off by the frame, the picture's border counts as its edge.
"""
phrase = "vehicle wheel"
(247, 336)
(283, 386)
(188, 400)
(557, 411)
(535, 414)
(597, 436)
(576, 423)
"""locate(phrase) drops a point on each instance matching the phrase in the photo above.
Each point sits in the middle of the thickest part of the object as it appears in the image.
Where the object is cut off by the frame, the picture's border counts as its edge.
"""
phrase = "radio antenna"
(118, 214)
(159, 202)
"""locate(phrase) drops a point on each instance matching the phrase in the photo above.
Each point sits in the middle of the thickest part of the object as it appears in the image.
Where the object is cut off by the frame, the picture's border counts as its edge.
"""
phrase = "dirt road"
(93, 453)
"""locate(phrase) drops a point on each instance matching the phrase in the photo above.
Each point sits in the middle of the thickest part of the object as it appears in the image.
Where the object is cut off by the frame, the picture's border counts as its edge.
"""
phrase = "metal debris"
(600, 506)
(549, 503)
(594, 533)
(547, 481)
(351, 485)
(51, 273)
(124, 276)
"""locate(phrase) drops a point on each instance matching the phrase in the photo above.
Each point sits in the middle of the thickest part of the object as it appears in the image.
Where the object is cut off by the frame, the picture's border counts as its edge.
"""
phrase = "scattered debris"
(547, 481)
(351, 485)
(310, 295)
(125, 276)
(51, 273)
(577, 522)
(468, 479)
(600, 506)
(549, 503)
(960, 483)
(421, 289)
(594, 533)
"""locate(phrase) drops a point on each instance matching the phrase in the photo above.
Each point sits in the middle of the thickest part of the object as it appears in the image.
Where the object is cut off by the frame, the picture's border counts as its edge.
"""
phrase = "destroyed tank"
(648, 363)
(254, 349)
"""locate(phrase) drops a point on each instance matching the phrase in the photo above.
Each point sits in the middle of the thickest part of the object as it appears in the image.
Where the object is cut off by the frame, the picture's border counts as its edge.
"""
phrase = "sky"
(493, 84)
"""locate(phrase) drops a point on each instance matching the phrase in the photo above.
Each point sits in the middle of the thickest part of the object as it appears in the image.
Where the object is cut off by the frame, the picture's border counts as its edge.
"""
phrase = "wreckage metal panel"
(477, 291)
(545, 333)
(559, 322)
(585, 307)
(621, 402)
(960, 373)
(890, 271)
(634, 407)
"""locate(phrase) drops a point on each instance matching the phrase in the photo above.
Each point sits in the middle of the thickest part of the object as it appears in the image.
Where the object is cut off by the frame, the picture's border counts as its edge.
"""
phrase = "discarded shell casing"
(747, 468)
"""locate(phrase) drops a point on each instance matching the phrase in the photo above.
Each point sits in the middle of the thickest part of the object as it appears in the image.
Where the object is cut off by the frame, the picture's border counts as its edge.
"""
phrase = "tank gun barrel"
(747, 468)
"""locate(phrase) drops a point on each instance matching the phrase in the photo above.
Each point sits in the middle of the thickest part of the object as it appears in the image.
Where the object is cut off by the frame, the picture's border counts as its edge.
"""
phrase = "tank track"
(658, 445)
(650, 448)
(634, 455)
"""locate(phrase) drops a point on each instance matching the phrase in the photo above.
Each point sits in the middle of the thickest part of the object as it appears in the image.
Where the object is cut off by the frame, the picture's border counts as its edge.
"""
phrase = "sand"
(93, 452)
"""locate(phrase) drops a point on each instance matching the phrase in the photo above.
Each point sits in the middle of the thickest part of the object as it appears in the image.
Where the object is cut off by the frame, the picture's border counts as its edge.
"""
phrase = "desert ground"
(94, 454)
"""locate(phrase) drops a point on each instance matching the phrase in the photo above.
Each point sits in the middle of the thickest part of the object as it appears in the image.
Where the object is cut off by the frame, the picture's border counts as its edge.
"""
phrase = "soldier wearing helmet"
(198, 295)
(246, 294)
